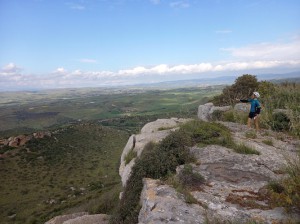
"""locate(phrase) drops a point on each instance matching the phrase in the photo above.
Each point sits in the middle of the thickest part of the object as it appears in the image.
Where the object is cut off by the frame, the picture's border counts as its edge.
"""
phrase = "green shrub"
(106, 202)
(5, 148)
(288, 97)
(190, 179)
(229, 116)
(130, 155)
(217, 115)
(268, 142)
(250, 134)
(181, 188)
(206, 132)
(276, 187)
(286, 192)
(280, 122)
(243, 149)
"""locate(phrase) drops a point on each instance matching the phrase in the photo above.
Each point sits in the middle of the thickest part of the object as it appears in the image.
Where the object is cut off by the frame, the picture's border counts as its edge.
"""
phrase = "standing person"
(254, 109)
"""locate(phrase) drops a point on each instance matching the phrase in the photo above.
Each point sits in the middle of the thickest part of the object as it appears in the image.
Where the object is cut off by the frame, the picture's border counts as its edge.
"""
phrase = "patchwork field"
(25, 112)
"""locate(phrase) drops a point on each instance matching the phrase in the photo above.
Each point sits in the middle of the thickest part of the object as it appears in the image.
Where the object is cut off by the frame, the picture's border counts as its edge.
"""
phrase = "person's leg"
(249, 122)
(256, 121)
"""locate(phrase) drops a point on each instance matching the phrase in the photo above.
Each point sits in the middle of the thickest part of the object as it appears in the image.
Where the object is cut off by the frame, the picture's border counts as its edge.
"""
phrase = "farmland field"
(26, 112)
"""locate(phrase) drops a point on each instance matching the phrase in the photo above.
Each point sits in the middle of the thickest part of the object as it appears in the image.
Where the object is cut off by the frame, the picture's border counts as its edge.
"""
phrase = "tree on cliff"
(242, 88)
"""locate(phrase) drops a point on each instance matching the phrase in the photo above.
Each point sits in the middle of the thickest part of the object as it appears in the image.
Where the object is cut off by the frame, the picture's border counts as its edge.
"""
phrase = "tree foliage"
(242, 88)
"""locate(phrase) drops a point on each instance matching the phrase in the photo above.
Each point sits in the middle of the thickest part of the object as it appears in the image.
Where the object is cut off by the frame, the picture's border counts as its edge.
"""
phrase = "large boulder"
(19, 140)
(205, 111)
(242, 107)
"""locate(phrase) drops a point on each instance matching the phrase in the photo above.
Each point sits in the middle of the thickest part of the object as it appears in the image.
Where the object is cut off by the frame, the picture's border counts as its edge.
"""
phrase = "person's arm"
(243, 101)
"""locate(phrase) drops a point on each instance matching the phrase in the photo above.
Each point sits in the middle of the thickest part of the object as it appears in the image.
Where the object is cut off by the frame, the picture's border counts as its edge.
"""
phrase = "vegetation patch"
(243, 149)
(250, 134)
(189, 179)
(268, 142)
(130, 155)
(166, 128)
(286, 192)
(175, 182)
(280, 122)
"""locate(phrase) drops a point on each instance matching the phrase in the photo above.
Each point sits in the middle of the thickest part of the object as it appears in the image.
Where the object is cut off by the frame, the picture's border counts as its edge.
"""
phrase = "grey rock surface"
(242, 107)
(89, 219)
(62, 218)
(162, 204)
(205, 111)
(80, 218)
(235, 188)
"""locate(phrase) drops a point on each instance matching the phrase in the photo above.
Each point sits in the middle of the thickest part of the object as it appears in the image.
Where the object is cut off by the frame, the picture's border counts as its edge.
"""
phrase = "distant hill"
(222, 80)
(76, 169)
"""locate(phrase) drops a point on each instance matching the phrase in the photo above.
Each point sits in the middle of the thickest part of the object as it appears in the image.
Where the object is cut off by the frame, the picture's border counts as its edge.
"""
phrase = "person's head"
(255, 95)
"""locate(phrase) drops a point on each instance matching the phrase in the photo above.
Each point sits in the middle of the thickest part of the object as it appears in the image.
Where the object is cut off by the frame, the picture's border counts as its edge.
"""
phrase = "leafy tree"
(242, 88)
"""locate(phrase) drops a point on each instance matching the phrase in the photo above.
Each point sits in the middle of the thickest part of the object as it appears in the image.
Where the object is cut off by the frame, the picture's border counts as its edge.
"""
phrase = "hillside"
(76, 169)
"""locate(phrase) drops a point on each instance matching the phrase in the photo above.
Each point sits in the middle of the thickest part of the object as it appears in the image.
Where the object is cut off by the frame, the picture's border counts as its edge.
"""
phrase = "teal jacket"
(255, 105)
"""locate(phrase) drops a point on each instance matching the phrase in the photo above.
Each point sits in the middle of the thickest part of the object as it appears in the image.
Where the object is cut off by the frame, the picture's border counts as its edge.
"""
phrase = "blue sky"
(76, 43)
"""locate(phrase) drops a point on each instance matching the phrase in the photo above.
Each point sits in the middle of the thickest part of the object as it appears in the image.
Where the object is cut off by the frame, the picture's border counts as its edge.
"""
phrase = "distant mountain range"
(222, 80)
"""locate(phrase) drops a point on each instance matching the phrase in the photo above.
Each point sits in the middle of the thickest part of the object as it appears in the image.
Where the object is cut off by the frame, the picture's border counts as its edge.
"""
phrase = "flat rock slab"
(235, 188)
(80, 218)
(162, 204)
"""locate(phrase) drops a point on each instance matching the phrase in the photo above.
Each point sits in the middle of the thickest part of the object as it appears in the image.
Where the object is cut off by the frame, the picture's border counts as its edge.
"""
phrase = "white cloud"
(10, 68)
(60, 70)
(180, 4)
(61, 78)
(268, 51)
(87, 60)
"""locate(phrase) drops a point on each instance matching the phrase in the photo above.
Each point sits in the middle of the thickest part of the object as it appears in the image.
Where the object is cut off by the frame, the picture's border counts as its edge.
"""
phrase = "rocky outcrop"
(151, 132)
(163, 204)
(235, 188)
(205, 111)
(242, 107)
(79, 218)
(21, 140)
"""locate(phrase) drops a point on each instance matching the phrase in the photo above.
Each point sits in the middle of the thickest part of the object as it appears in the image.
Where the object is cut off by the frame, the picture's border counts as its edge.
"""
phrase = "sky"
(88, 43)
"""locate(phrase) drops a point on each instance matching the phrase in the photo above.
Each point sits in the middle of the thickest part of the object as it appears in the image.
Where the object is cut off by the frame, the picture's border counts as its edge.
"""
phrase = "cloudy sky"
(76, 43)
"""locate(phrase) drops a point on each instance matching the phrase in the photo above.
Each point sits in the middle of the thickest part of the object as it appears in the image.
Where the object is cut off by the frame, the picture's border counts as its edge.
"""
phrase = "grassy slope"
(83, 156)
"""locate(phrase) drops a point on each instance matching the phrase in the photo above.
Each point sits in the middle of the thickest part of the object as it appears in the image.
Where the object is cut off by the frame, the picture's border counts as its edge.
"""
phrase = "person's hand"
(237, 99)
